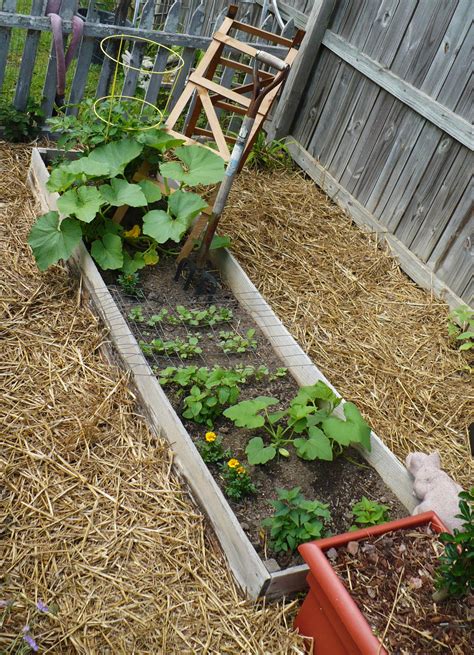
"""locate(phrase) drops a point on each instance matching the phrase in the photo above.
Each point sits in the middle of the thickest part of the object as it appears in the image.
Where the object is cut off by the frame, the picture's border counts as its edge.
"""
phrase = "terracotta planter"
(329, 614)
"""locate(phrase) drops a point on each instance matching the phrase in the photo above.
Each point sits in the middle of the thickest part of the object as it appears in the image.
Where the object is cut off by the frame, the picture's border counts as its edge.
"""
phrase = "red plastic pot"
(328, 613)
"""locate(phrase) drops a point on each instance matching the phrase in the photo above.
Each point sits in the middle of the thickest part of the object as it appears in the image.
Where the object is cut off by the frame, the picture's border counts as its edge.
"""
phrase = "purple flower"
(30, 641)
(42, 606)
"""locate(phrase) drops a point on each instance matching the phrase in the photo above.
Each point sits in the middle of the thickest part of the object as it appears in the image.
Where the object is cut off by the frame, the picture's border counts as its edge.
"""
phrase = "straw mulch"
(380, 339)
(94, 520)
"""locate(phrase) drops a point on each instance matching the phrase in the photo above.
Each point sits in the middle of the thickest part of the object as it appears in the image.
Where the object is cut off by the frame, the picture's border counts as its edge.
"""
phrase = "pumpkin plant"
(310, 414)
(92, 186)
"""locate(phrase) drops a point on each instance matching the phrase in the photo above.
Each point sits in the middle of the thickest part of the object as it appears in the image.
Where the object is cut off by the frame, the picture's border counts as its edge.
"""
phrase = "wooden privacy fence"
(378, 107)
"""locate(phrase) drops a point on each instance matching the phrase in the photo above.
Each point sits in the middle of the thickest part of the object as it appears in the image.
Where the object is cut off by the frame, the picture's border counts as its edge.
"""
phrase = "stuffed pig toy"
(435, 489)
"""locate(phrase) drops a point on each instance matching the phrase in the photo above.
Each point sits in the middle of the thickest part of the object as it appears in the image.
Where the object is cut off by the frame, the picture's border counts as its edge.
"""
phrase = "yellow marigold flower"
(241, 470)
(133, 233)
(210, 436)
(233, 463)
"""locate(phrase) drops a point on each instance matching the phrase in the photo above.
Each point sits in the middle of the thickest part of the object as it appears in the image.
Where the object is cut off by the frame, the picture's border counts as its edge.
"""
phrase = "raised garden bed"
(250, 569)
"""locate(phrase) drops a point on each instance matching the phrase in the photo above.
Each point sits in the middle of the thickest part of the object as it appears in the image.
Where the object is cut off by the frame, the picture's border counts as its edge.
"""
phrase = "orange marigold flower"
(210, 436)
(241, 470)
(133, 233)
(233, 463)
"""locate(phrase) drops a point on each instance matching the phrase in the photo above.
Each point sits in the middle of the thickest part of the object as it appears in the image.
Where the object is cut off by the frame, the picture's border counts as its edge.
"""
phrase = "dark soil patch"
(392, 576)
(340, 483)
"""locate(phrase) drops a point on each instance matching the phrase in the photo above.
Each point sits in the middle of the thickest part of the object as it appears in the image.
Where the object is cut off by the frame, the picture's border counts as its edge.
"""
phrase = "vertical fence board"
(84, 61)
(131, 76)
(195, 27)
(443, 204)
(30, 50)
(171, 25)
(108, 66)
(9, 6)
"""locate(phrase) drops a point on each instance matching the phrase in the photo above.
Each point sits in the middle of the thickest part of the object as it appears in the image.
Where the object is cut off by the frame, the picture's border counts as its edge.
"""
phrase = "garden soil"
(94, 522)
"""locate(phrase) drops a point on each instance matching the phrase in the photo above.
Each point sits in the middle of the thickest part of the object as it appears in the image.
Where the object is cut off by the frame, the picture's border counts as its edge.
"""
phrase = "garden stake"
(193, 266)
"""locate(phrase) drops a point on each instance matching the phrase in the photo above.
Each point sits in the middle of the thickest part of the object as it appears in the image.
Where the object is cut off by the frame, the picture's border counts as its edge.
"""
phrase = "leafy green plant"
(455, 574)
(183, 349)
(136, 314)
(232, 342)
(83, 130)
(238, 482)
(269, 155)
(19, 126)
(309, 415)
(130, 283)
(295, 520)
(157, 318)
(209, 316)
(461, 327)
(368, 512)
(211, 448)
(93, 185)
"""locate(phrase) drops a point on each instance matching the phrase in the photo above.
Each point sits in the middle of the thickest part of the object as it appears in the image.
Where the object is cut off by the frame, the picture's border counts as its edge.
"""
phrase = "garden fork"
(193, 266)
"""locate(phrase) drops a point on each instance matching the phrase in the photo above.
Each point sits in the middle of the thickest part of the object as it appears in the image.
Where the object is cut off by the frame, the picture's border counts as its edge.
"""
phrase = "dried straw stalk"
(94, 519)
(380, 339)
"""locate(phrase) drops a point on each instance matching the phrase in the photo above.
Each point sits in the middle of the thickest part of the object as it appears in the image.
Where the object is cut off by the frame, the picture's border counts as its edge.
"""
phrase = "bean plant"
(210, 391)
(232, 342)
(296, 520)
(179, 347)
(309, 414)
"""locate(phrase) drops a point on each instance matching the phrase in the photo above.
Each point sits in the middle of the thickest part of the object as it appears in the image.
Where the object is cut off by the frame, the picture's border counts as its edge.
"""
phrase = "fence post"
(301, 69)
(28, 59)
(5, 34)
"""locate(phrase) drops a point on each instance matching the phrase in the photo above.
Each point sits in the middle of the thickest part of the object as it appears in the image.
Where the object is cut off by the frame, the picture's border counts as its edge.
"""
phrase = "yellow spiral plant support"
(119, 97)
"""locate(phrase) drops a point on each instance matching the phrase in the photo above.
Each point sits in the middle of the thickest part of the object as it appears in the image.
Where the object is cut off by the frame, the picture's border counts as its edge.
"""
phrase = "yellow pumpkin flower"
(133, 233)
(210, 437)
(233, 463)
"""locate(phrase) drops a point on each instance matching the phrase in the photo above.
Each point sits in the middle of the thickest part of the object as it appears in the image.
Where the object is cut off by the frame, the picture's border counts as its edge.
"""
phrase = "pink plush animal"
(435, 489)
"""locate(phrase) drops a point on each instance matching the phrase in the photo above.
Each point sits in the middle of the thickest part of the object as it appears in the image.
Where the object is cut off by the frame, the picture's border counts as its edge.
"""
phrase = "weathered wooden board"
(249, 571)
(27, 66)
(9, 7)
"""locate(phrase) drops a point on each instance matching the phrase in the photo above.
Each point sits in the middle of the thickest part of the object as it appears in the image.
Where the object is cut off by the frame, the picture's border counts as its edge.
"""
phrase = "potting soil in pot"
(391, 579)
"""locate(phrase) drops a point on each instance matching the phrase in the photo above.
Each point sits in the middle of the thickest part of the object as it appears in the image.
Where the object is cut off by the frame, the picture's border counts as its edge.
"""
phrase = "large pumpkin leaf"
(353, 430)
(246, 414)
(110, 160)
(258, 453)
(317, 446)
(52, 239)
(133, 264)
(199, 166)
(161, 226)
(83, 202)
(61, 178)
(120, 192)
(159, 139)
(184, 204)
(151, 190)
(108, 252)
